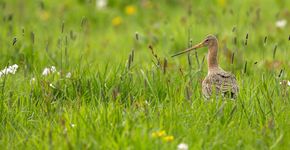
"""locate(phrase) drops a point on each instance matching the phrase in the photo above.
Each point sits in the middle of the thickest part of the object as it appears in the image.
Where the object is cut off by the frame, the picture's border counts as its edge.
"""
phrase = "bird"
(217, 80)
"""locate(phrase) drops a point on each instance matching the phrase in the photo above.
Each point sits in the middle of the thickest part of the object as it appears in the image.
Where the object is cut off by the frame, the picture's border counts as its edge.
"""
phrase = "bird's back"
(220, 82)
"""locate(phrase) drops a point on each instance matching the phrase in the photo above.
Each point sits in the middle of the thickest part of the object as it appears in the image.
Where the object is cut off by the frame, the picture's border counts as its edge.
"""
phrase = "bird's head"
(210, 40)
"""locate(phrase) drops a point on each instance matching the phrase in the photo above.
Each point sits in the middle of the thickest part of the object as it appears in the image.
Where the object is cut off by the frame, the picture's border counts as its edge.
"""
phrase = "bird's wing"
(225, 82)
(220, 82)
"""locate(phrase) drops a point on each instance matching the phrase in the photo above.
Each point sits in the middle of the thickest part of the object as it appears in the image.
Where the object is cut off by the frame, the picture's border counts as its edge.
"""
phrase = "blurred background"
(97, 97)
(40, 32)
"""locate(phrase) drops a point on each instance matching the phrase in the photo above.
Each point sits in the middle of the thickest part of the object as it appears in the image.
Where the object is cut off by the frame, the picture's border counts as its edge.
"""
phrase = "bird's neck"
(212, 57)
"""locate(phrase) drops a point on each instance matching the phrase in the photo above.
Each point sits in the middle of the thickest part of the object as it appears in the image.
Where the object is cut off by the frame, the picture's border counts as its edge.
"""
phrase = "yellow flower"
(117, 21)
(130, 10)
(159, 133)
(44, 15)
(168, 138)
(222, 3)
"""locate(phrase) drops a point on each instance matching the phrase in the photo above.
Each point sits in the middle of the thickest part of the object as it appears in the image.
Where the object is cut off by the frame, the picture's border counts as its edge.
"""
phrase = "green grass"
(108, 105)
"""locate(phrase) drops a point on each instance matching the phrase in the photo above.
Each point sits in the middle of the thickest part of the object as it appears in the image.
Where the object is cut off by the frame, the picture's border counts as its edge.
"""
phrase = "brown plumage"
(217, 80)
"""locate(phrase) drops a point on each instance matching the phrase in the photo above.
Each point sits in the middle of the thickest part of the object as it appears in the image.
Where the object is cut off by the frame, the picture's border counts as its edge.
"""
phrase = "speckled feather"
(224, 83)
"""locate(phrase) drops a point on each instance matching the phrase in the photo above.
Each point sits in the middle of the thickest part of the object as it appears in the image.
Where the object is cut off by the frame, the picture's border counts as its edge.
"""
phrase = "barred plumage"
(220, 82)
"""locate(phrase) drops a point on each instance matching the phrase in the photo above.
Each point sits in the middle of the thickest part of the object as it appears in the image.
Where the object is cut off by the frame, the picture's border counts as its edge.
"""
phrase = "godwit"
(217, 80)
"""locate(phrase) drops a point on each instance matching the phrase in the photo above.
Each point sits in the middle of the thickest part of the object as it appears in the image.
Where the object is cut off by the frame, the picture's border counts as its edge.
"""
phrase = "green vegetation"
(116, 98)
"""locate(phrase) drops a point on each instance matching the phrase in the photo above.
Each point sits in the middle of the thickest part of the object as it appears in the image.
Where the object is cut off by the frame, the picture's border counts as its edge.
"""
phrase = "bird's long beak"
(189, 49)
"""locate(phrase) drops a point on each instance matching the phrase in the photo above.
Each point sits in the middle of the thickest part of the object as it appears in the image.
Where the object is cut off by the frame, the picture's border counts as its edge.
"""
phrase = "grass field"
(110, 82)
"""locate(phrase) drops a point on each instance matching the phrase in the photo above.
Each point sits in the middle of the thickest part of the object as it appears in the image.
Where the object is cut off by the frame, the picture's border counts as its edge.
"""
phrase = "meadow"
(92, 75)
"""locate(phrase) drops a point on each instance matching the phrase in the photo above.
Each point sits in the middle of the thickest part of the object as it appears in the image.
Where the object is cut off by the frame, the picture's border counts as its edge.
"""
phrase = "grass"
(122, 92)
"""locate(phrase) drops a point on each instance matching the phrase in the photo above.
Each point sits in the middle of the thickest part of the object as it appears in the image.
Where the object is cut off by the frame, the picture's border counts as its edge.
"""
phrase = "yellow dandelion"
(168, 138)
(222, 3)
(117, 21)
(130, 10)
(159, 133)
(44, 15)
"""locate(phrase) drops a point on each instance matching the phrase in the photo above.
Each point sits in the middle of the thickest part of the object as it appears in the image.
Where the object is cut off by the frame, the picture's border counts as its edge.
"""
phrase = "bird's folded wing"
(225, 82)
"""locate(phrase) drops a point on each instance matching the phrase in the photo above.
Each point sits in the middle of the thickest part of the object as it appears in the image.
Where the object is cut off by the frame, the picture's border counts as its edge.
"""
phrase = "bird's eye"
(206, 40)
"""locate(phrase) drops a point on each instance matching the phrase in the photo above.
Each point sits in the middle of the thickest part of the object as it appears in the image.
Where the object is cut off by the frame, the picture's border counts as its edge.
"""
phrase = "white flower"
(68, 75)
(182, 146)
(100, 4)
(45, 71)
(72, 125)
(288, 83)
(53, 69)
(281, 23)
(51, 85)
(13, 68)
(48, 70)
(9, 70)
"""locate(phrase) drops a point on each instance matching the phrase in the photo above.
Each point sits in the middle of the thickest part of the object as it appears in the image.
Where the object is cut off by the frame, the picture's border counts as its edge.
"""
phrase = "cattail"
(274, 51)
(59, 42)
(41, 4)
(188, 55)
(234, 29)
(189, 45)
(32, 37)
(281, 73)
(154, 55)
(181, 72)
(247, 36)
(22, 31)
(72, 35)
(129, 61)
(10, 17)
(197, 60)
(164, 65)
(137, 36)
(3, 5)
(235, 40)
(265, 40)
(245, 67)
(14, 41)
(150, 47)
(189, 60)
(132, 54)
(232, 58)
(62, 27)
